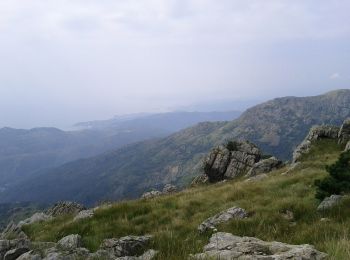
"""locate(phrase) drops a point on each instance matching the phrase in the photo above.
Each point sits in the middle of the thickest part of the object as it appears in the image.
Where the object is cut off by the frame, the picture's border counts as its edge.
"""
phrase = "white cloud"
(335, 75)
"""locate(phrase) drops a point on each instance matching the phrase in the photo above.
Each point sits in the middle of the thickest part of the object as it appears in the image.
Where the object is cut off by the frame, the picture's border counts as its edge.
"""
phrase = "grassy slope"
(173, 219)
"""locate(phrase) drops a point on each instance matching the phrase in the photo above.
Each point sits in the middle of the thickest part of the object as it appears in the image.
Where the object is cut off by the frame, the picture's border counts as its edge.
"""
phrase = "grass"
(173, 219)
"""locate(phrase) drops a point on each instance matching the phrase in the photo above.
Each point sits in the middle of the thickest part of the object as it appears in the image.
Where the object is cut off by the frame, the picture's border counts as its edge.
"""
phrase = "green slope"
(173, 219)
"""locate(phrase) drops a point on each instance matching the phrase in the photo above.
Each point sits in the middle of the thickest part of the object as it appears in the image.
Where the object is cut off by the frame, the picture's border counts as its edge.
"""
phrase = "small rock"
(70, 242)
(151, 194)
(225, 246)
(259, 177)
(325, 220)
(148, 255)
(329, 202)
(126, 246)
(88, 213)
(347, 147)
(169, 188)
(65, 208)
(344, 132)
(288, 215)
(224, 216)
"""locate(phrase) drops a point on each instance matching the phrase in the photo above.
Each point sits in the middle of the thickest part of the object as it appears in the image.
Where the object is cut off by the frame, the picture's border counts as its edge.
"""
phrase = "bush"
(338, 181)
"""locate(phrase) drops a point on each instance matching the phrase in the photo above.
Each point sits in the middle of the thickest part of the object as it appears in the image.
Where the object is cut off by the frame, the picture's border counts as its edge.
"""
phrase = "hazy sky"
(64, 61)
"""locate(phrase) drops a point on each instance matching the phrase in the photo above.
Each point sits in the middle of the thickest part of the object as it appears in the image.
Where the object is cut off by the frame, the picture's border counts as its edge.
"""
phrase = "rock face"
(10, 249)
(224, 216)
(231, 161)
(344, 132)
(65, 208)
(37, 217)
(316, 133)
(126, 246)
(225, 246)
(13, 231)
(329, 202)
(265, 166)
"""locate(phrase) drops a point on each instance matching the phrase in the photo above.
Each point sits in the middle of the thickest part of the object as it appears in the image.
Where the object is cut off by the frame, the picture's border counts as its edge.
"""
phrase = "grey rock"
(225, 246)
(169, 188)
(9, 245)
(65, 208)
(329, 202)
(37, 217)
(344, 132)
(151, 194)
(126, 246)
(70, 242)
(223, 163)
(29, 256)
(88, 213)
(15, 253)
(265, 166)
(224, 216)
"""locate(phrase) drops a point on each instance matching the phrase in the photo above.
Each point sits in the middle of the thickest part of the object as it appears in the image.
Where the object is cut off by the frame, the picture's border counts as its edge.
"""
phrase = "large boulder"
(225, 246)
(344, 132)
(37, 217)
(13, 247)
(315, 133)
(230, 161)
(265, 166)
(30, 255)
(70, 242)
(65, 208)
(222, 217)
(126, 246)
(15, 253)
(329, 202)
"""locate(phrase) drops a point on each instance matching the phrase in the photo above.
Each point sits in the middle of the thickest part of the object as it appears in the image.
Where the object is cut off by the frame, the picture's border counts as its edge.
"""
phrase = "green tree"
(338, 180)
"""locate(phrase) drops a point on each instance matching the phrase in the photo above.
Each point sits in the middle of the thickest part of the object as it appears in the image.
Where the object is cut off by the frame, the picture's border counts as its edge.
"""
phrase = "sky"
(67, 61)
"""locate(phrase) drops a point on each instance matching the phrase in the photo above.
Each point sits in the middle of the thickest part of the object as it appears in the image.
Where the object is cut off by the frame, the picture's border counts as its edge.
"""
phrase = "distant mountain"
(277, 126)
(25, 153)
(167, 122)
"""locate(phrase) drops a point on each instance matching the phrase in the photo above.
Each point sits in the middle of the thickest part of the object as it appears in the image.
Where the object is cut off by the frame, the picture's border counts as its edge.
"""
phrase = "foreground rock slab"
(329, 202)
(225, 246)
(222, 217)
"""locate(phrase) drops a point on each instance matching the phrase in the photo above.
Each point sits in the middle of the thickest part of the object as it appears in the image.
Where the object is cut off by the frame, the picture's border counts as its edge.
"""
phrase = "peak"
(338, 92)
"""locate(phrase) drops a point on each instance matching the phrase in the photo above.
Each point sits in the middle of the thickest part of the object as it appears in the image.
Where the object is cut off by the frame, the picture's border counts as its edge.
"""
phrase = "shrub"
(338, 180)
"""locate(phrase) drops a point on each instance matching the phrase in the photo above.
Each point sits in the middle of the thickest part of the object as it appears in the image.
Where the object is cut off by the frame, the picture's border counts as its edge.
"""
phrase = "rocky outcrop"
(88, 213)
(315, 133)
(65, 208)
(344, 132)
(225, 246)
(222, 217)
(265, 166)
(329, 202)
(10, 249)
(229, 162)
(37, 217)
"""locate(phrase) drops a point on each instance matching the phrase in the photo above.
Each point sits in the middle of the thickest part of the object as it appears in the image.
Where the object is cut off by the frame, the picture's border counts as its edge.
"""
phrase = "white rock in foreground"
(225, 246)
